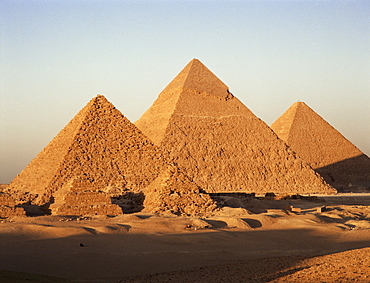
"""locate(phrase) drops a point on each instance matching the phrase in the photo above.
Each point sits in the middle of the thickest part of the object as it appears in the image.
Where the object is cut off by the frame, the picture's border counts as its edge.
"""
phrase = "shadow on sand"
(112, 257)
(349, 175)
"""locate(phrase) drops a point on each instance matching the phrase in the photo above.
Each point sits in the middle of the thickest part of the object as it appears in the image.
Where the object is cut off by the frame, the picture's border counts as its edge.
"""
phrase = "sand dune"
(349, 266)
(234, 244)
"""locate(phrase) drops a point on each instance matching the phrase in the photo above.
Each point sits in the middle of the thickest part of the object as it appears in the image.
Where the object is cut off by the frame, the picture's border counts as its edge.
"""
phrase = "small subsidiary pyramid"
(219, 142)
(173, 192)
(8, 208)
(333, 156)
(98, 144)
(81, 197)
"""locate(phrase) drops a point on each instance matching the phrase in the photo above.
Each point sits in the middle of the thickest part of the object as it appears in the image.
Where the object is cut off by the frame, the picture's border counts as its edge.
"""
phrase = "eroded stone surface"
(100, 144)
(104, 147)
(82, 197)
(219, 142)
(7, 207)
(173, 192)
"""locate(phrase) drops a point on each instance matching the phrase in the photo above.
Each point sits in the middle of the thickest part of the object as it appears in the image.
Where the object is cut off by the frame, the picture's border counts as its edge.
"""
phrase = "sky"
(57, 55)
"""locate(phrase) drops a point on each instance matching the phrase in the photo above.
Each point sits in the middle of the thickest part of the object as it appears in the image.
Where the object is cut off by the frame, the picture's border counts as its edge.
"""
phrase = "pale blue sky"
(57, 55)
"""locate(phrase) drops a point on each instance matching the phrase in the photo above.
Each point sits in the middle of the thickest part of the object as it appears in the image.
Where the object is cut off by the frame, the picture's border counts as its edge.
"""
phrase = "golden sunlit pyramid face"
(339, 161)
(195, 91)
(219, 142)
(99, 143)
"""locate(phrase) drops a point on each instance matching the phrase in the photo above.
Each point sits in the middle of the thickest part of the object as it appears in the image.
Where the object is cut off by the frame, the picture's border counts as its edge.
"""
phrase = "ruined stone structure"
(98, 155)
(219, 142)
(340, 162)
(173, 192)
(82, 197)
(7, 207)
(99, 144)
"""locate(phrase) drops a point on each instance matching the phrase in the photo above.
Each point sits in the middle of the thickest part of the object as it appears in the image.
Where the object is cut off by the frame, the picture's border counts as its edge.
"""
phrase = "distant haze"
(57, 55)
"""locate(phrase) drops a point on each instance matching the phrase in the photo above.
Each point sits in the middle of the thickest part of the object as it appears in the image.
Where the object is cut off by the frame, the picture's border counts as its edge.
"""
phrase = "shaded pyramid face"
(322, 146)
(219, 142)
(100, 144)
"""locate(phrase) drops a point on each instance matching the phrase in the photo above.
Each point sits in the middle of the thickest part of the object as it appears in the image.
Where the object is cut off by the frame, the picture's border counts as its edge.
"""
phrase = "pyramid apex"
(99, 96)
(91, 146)
(99, 99)
(303, 107)
(300, 103)
(320, 144)
(195, 60)
(197, 77)
(298, 106)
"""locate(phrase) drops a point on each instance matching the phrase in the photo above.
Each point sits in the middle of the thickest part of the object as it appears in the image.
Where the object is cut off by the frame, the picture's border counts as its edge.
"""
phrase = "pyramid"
(8, 208)
(99, 144)
(173, 192)
(82, 197)
(333, 156)
(219, 143)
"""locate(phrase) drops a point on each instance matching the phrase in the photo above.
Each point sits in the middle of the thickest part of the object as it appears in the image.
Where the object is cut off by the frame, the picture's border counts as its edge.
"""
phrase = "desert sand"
(245, 240)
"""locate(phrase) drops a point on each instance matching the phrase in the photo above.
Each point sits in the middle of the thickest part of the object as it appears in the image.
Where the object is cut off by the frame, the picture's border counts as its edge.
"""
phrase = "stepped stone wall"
(7, 207)
(82, 197)
(173, 192)
(227, 154)
(220, 143)
(100, 144)
(322, 146)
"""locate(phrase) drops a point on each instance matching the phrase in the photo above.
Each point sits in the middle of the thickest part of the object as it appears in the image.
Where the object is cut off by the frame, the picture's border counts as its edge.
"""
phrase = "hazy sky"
(57, 55)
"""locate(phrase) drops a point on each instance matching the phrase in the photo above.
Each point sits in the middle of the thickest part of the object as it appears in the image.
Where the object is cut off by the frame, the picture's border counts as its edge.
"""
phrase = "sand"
(349, 266)
(259, 241)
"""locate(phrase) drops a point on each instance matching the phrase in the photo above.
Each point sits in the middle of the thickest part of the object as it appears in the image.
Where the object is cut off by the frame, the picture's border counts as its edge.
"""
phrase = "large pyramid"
(98, 144)
(219, 142)
(339, 161)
